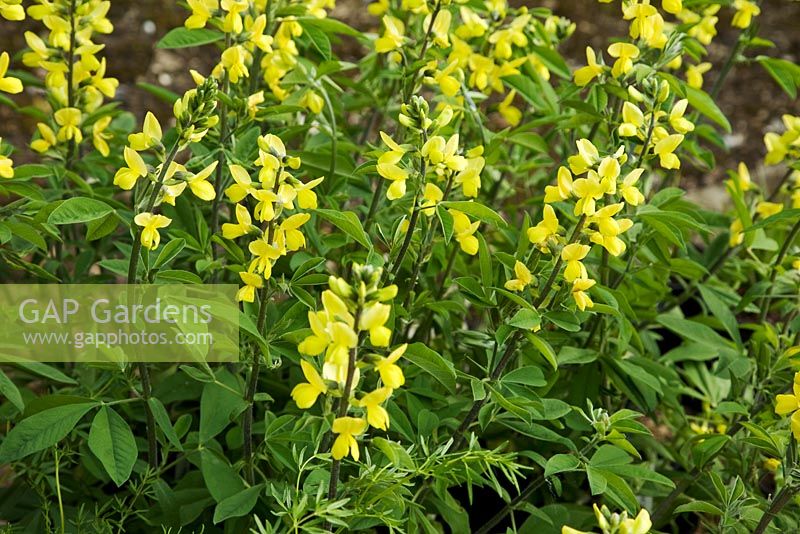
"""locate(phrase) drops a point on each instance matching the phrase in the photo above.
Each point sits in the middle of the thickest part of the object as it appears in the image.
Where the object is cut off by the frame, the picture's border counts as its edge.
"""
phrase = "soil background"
(750, 98)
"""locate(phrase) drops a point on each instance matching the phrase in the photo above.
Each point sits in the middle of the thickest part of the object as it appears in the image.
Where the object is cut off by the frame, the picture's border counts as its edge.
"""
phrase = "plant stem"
(250, 394)
(774, 271)
(136, 251)
(781, 499)
(223, 133)
(58, 488)
(70, 81)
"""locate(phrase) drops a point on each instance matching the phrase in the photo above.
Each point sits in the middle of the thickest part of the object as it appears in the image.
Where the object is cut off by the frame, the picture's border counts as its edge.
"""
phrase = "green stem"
(775, 266)
(250, 394)
(223, 133)
(781, 499)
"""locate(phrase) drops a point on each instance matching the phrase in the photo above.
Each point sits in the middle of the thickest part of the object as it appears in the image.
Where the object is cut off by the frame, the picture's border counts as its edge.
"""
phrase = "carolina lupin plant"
(474, 294)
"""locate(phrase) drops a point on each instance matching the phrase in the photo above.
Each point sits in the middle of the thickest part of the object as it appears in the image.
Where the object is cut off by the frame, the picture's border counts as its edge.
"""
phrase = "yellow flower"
(312, 101)
(609, 229)
(522, 280)
(745, 11)
(772, 464)
(511, 114)
(347, 428)
(632, 118)
(47, 138)
(443, 153)
(264, 211)
(572, 254)
(387, 168)
(201, 12)
(372, 319)
(150, 135)
(305, 394)
(641, 524)
(233, 60)
(6, 166)
(126, 176)
(392, 37)
(579, 287)
(8, 84)
(447, 82)
(588, 190)
(694, 74)
(432, 196)
(472, 25)
(737, 233)
(505, 39)
(200, 185)
(677, 120)
(628, 189)
(665, 148)
(672, 6)
(242, 186)
(586, 158)
(377, 416)
(265, 255)
(767, 209)
(247, 293)
(100, 137)
(586, 74)
(391, 373)
(441, 28)
(743, 177)
(547, 227)
(306, 197)
(563, 189)
(243, 226)
(233, 19)
(294, 238)
(625, 54)
(463, 230)
(470, 176)
(150, 224)
(69, 119)
(257, 37)
(12, 10)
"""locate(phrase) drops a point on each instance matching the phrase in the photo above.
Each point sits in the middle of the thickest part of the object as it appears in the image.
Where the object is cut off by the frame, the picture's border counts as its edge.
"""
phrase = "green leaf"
(79, 210)
(529, 376)
(219, 405)
(318, 38)
(111, 440)
(170, 250)
(47, 371)
(184, 38)
(721, 311)
(700, 507)
(162, 420)
(10, 391)
(560, 463)
(526, 319)
(221, 479)
(784, 72)
(102, 227)
(159, 92)
(432, 363)
(476, 210)
(544, 348)
(182, 277)
(702, 102)
(42, 430)
(693, 331)
(790, 215)
(347, 222)
(237, 505)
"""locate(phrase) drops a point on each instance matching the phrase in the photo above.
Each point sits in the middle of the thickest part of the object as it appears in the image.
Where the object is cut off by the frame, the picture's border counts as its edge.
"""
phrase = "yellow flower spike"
(150, 224)
(463, 231)
(633, 120)
(126, 176)
(305, 394)
(391, 373)
(8, 84)
(572, 254)
(243, 226)
(432, 196)
(522, 280)
(628, 189)
(563, 189)
(393, 35)
(676, 119)
(745, 11)
(586, 158)
(295, 240)
(547, 227)
(312, 101)
(150, 135)
(347, 428)
(47, 138)
(586, 74)
(12, 10)
(767, 209)
(377, 416)
(579, 288)
(665, 148)
(625, 54)
(372, 319)
(672, 6)
(694, 74)
(199, 184)
(242, 186)
(201, 12)
(511, 114)
(69, 119)
(252, 282)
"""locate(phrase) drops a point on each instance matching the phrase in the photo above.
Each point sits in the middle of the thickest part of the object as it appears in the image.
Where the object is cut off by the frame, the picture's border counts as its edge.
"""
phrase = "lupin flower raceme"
(354, 315)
